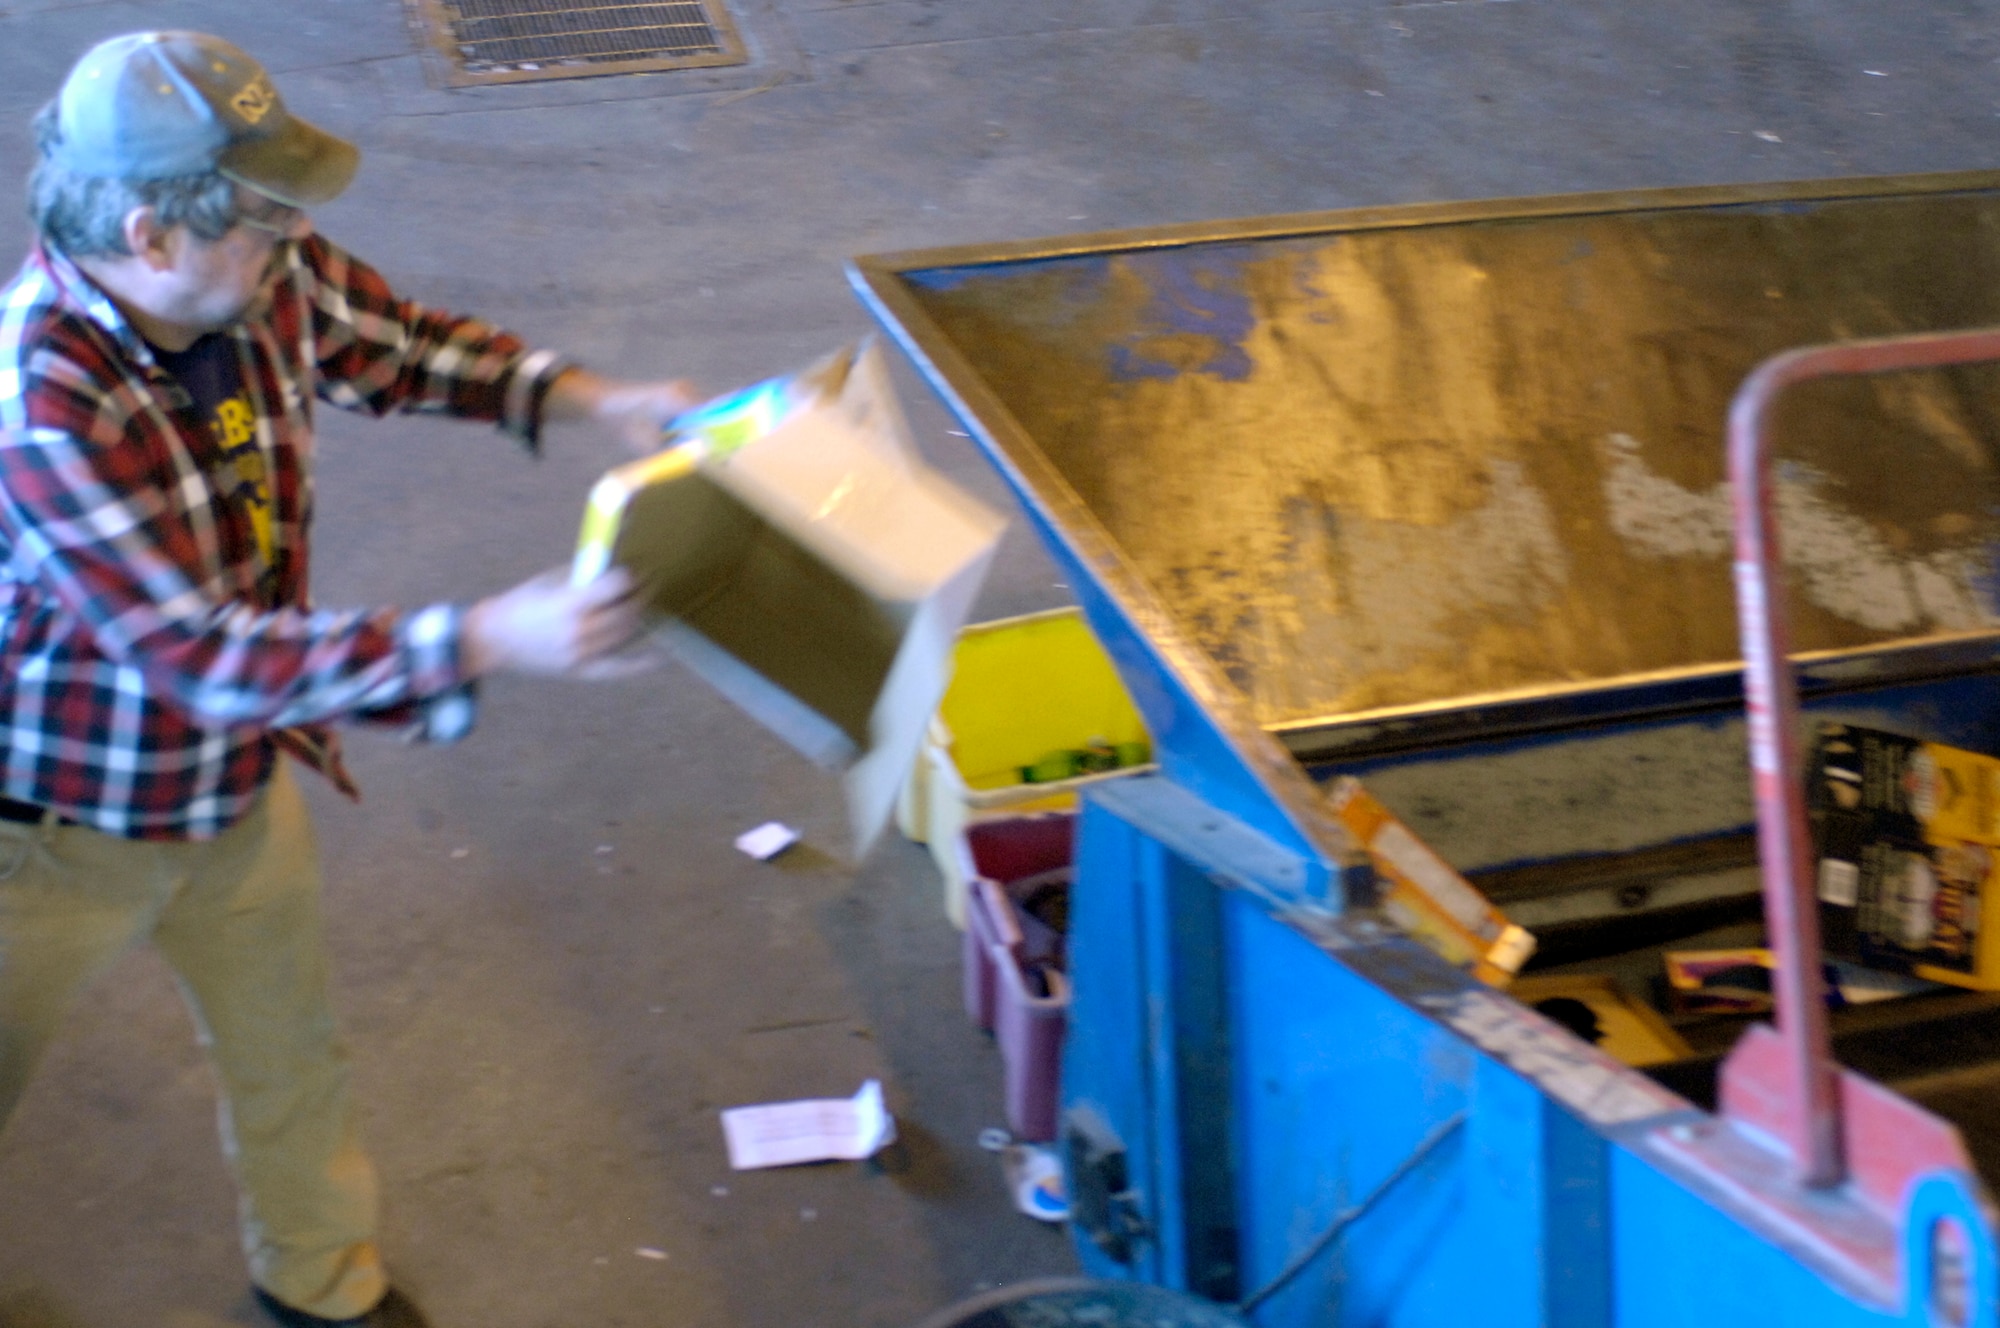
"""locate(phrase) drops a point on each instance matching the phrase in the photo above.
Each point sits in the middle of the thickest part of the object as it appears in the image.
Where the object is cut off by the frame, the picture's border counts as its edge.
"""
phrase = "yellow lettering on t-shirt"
(235, 430)
(234, 425)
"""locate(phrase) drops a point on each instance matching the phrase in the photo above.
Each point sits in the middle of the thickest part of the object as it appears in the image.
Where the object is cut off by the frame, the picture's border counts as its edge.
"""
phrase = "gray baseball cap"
(153, 105)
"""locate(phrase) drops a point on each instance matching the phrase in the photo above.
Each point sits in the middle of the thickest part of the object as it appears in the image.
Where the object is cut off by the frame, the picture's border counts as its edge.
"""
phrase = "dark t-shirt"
(213, 375)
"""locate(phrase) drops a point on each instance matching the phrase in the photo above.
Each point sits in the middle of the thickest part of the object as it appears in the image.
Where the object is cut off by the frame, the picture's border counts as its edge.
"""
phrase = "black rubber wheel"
(1063, 1301)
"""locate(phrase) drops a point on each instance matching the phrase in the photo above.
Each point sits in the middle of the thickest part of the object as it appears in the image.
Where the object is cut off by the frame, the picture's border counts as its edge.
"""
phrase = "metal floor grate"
(518, 41)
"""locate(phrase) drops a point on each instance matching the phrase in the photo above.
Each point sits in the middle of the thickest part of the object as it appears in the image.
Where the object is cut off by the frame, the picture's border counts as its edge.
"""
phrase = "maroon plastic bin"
(1010, 859)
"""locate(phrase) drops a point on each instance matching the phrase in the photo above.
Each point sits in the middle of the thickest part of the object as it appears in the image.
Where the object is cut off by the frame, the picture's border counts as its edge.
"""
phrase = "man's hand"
(637, 410)
(547, 626)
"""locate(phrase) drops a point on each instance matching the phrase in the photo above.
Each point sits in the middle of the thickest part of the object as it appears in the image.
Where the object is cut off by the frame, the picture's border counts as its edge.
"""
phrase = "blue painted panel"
(1534, 1235)
(1106, 1056)
(1336, 1084)
(1170, 1155)
(1576, 1219)
(1194, 297)
(1198, 1246)
(1678, 1261)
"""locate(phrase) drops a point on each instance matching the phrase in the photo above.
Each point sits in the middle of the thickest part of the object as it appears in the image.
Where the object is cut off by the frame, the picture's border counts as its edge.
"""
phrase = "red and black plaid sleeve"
(378, 353)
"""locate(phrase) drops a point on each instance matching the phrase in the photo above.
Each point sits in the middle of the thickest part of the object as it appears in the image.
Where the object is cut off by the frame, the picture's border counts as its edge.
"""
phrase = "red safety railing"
(1809, 1120)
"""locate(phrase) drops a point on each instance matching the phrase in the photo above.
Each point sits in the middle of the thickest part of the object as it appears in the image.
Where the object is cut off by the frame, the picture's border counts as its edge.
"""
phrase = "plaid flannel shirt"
(151, 663)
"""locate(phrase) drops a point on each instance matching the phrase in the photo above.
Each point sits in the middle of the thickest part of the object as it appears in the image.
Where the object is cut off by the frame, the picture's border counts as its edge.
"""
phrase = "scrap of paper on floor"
(783, 1134)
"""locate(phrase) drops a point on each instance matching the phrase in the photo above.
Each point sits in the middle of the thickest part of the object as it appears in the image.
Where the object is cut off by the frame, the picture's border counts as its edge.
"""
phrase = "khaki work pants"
(238, 920)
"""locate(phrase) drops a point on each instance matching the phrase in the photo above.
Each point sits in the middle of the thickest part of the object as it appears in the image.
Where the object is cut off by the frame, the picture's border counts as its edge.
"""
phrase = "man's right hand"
(548, 626)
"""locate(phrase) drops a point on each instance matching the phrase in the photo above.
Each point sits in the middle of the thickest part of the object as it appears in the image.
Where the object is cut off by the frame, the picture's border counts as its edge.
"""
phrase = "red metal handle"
(1812, 1124)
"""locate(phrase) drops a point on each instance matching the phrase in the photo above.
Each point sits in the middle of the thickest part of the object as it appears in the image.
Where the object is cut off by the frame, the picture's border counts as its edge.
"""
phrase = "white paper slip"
(767, 841)
(783, 1134)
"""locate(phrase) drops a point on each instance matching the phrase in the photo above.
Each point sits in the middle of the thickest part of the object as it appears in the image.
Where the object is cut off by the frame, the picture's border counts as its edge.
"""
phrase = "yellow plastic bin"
(1021, 690)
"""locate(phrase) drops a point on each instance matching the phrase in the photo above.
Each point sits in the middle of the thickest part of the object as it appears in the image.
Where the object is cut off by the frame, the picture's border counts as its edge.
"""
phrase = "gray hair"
(84, 216)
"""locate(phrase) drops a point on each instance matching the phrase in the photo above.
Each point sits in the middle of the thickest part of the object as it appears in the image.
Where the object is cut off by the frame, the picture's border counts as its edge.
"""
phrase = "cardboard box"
(799, 556)
(1719, 981)
(1422, 895)
(1908, 848)
(1739, 982)
(1594, 1008)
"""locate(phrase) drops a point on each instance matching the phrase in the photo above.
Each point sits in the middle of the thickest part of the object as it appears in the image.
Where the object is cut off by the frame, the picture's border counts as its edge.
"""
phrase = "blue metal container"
(1433, 495)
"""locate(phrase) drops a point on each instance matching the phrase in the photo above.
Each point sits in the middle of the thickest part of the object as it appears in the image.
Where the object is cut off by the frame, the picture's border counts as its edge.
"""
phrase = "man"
(160, 350)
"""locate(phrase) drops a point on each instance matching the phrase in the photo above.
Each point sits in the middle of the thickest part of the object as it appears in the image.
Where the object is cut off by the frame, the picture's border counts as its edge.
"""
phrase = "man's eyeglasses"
(273, 218)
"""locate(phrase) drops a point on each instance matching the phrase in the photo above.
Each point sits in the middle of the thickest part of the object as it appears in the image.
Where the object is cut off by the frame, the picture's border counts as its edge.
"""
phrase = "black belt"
(27, 813)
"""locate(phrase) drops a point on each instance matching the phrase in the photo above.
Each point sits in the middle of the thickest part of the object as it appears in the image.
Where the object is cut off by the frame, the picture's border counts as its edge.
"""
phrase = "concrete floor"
(553, 966)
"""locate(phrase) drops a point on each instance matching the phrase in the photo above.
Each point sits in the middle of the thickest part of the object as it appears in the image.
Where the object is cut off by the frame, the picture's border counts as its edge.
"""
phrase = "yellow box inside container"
(1021, 688)
(1024, 687)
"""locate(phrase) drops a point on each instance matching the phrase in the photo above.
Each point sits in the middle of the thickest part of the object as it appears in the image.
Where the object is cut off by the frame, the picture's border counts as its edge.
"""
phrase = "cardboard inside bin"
(815, 572)
(1907, 835)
